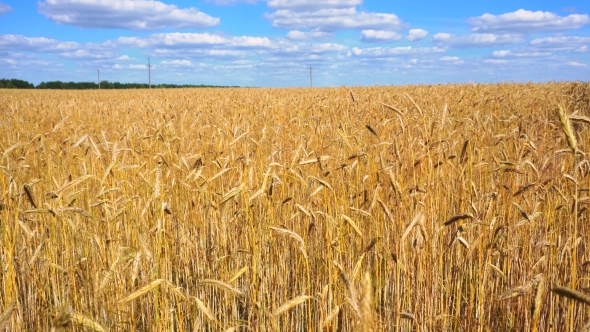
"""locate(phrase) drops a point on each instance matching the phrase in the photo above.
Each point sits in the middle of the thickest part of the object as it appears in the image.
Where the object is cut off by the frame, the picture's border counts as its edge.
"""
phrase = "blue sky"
(274, 42)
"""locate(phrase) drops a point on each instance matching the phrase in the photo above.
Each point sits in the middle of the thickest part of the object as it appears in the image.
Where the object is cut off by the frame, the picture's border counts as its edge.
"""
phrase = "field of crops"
(417, 208)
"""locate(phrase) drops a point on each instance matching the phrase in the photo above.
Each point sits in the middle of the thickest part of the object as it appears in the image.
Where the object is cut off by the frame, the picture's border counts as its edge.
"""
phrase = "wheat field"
(415, 208)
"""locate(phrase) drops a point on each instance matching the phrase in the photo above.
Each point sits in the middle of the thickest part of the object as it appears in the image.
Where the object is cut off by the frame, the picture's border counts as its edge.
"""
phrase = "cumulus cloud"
(308, 35)
(379, 36)
(126, 58)
(35, 44)
(524, 21)
(72, 50)
(452, 59)
(448, 40)
(307, 49)
(519, 53)
(495, 61)
(416, 34)
(230, 2)
(546, 47)
(334, 19)
(134, 67)
(214, 46)
(576, 64)
(232, 68)
(37, 65)
(124, 14)
(176, 63)
(178, 40)
(561, 43)
(388, 52)
(290, 66)
(201, 53)
(8, 63)
(4, 8)
(82, 54)
(312, 5)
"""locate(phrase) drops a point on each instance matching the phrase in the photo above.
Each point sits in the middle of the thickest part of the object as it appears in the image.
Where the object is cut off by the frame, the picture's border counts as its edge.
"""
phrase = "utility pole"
(98, 71)
(150, 73)
(310, 79)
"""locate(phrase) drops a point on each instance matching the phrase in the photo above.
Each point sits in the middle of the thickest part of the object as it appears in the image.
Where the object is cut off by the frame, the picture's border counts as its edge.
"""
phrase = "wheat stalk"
(289, 305)
(572, 294)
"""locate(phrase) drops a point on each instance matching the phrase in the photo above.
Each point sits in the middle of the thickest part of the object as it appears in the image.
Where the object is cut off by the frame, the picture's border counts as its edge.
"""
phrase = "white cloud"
(309, 35)
(379, 36)
(87, 55)
(218, 54)
(230, 2)
(126, 58)
(124, 14)
(176, 40)
(495, 61)
(312, 5)
(524, 21)
(576, 64)
(475, 40)
(296, 65)
(7, 63)
(37, 65)
(501, 53)
(388, 52)
(233, 67)
(519, 54)
(35, 44)
(416, 34)
(176, 63)
(546, 47)
(306, 50)
(70, 50)
(334, 19)
(295, 5)
(4, 8)
(452, 59)
(561, 43)
(134, 67)
(213, 46)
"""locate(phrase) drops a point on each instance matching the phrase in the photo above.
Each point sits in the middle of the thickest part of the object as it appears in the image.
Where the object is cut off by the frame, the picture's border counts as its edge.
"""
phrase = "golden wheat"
(431, 208)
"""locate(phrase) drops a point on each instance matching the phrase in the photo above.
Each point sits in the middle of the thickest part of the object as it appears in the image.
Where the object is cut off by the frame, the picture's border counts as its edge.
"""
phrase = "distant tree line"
(15, 84)
(59, 85)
